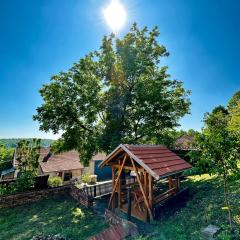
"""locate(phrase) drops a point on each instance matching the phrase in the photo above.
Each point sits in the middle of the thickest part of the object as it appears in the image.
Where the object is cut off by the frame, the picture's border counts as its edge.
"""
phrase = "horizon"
(39, 41)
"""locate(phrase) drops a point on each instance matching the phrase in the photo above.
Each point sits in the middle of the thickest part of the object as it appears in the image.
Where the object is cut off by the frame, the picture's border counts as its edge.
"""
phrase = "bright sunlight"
(115, 15)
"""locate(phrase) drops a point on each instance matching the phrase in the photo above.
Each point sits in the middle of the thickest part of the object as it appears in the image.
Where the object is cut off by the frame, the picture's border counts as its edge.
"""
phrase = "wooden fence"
(98, 190)
(103, 189)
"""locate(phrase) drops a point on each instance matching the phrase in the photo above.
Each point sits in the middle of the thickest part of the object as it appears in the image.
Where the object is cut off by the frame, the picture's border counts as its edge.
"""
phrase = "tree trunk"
(226, 198)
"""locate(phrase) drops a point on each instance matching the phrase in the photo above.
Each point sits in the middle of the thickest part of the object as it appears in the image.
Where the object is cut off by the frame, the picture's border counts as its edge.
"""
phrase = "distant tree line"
(12, 142)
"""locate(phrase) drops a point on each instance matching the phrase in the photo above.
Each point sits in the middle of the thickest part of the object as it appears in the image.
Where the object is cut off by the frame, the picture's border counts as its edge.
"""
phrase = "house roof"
(64, 161)
(99, 156)
(185, 142)
(157, 160)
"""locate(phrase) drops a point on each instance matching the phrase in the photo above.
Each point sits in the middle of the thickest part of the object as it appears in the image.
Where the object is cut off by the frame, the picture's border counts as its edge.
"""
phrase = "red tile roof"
(157, 160)
(65, 161)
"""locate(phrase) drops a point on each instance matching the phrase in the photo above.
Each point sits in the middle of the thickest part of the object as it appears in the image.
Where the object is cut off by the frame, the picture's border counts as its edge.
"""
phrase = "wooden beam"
(145, 182)
(164, 195)
(143, 193)
(150, 190)
(119, 190)
(170, 182)
(117, 150)
(113, 183)
(116, 183)
(126, 167)
(178, 182)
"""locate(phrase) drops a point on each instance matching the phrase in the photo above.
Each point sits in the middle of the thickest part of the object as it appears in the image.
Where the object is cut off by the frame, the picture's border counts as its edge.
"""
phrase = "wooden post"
(117, 180)
(145, 183)
(142, 190)
(113, 183)
(170, 182)
(95, 191)
(119, 189)
(150, 191)
(177, 182)
(129, 203)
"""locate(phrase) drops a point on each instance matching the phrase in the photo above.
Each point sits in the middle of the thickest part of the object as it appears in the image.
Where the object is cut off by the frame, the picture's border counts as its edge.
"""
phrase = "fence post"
(95, 191)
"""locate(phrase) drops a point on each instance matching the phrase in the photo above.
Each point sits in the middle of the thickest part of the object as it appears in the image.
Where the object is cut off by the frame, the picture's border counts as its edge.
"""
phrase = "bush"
(86, 178)
(55, 181)
(90, 179)
(25, 181)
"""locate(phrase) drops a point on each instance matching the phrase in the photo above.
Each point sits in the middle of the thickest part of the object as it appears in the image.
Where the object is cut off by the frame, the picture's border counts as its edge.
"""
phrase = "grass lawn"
(59, 215)
(203, 209)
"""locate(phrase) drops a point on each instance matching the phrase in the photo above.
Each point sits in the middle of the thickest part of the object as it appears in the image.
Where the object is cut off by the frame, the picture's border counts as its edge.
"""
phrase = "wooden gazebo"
(137, 173)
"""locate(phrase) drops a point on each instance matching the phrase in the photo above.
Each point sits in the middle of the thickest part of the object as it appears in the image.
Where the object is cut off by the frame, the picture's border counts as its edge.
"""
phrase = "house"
(184, 143)
(157, 178)
(67, 165)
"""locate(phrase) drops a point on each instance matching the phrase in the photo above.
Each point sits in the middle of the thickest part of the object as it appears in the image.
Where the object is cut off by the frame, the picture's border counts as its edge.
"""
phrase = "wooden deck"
(141, 215)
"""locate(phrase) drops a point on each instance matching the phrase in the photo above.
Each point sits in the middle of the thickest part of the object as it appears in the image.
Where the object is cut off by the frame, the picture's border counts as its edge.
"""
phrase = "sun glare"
(115, 15)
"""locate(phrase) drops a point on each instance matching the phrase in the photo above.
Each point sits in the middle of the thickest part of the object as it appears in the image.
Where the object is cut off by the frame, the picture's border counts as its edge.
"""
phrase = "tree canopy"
(219, 148)
(234, 111)
(120, 93)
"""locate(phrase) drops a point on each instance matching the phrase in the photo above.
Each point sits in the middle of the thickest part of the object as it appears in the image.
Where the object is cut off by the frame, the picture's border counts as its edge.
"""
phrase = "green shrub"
(25, 181)
(55, 181)
(86, 178)
(90, 179)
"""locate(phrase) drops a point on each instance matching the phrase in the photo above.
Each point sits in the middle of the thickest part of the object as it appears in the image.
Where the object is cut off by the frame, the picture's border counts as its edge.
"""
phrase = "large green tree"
(220, 149)
(119, 94)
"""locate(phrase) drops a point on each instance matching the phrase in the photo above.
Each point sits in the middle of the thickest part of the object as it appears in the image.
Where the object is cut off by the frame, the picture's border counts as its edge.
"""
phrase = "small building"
(65, 165)
(185, 142)
(157, 173)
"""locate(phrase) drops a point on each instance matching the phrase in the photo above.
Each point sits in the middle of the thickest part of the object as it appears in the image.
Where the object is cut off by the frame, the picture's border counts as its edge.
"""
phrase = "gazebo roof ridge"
(144, 145)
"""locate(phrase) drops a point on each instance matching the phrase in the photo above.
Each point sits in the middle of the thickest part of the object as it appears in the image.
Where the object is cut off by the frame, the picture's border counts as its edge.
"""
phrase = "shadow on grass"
(58, 215)
(185, 220)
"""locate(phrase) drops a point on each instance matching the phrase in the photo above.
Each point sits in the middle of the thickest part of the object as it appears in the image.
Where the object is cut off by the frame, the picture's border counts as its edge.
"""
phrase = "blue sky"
(40, 38)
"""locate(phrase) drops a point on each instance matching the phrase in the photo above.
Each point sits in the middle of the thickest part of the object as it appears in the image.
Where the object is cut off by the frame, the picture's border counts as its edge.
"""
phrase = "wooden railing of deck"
(102, 189)
(164, 195)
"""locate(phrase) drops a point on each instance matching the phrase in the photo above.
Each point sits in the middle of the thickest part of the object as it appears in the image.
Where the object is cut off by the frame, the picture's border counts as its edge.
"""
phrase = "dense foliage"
(12, 142)
(220, 147)
(27, 156)
(6, 156)
(118, 94)
(234, 112)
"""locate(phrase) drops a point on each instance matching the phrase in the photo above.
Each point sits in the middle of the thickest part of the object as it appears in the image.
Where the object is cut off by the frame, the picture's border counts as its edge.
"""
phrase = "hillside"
(12, 142)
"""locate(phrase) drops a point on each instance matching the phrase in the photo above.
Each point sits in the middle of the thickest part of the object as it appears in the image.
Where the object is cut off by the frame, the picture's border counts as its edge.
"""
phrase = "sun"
(115, 15)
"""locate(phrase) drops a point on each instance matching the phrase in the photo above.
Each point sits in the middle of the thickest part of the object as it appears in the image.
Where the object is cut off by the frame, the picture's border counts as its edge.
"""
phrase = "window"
(67, 176)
